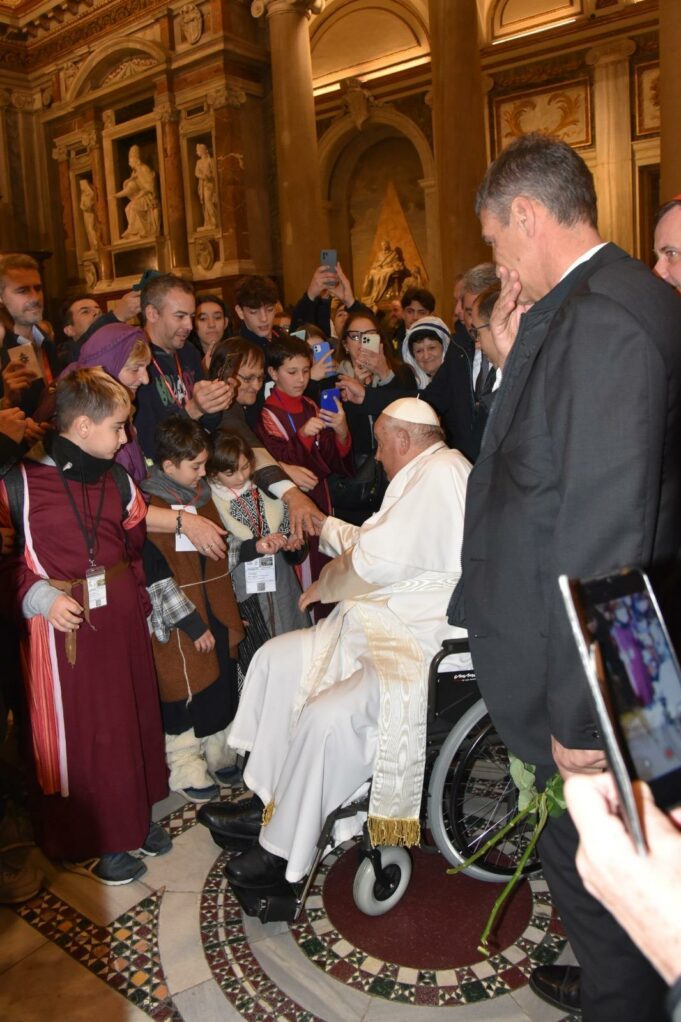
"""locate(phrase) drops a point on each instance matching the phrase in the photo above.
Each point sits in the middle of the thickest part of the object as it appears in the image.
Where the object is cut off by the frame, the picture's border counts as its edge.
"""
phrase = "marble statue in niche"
(207, 187)
(386, 274)
(89, 210)
(192, 23)
(142, 210)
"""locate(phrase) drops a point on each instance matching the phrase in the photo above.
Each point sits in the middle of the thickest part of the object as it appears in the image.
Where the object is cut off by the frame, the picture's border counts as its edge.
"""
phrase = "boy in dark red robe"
(77, 580)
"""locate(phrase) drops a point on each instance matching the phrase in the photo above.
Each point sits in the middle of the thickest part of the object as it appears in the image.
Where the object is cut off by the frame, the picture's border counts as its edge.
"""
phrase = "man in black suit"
(578, 474)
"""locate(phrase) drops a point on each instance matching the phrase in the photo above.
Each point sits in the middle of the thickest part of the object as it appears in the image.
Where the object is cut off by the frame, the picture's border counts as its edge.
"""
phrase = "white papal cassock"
(326, 708)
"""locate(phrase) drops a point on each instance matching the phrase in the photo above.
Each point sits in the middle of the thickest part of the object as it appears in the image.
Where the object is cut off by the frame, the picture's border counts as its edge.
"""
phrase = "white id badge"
(95, 579)
(182, 544)
(261, 575)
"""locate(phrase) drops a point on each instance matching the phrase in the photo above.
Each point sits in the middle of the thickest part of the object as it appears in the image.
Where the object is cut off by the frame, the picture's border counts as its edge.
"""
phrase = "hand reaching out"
(271, 544)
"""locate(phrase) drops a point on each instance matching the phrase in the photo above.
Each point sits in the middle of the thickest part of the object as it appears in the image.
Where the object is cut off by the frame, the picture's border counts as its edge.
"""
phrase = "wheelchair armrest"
(455, 646)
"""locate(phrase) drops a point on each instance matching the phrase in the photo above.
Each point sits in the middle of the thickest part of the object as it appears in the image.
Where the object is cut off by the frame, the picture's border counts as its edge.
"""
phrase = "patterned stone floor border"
(123, 954)
(243, 982)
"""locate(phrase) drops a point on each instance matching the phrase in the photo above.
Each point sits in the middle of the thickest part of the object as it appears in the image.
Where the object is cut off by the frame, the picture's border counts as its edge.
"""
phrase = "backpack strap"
(123, 484)
(15, 488)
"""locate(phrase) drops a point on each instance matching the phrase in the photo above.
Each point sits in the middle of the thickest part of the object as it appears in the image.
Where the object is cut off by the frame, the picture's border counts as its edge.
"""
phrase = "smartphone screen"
(642, 675)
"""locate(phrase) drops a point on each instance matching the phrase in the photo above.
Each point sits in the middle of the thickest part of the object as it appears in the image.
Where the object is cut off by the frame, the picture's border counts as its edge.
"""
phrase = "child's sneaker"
(157, 841)
(18, 883)
(200, 794)
(114, 869)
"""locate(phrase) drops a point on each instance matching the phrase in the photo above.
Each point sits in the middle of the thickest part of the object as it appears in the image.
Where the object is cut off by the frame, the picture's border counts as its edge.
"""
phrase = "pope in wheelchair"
(325, 708)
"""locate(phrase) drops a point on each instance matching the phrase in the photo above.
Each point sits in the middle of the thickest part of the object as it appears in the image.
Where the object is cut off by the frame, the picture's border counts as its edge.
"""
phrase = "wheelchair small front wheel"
(375, 896)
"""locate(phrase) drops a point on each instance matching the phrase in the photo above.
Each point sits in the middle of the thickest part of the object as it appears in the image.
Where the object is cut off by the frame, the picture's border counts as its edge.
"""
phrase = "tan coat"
(201, 669)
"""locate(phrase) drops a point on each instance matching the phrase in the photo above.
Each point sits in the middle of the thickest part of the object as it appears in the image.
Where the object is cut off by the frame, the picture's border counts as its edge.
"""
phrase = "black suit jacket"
(578, 474)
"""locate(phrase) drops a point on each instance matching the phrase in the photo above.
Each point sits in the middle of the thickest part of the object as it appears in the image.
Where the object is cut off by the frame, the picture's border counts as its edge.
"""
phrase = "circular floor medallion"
(530, 935)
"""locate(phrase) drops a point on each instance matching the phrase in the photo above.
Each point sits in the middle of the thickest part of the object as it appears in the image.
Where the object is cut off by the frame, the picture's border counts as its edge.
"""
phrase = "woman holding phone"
(370, 378)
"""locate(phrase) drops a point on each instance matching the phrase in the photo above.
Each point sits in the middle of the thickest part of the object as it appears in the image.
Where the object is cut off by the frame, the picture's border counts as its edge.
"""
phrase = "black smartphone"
(329, 257)
(633, 675)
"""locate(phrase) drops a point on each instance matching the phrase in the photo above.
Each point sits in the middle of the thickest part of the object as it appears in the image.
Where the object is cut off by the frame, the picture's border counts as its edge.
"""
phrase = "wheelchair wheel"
(471, 795)
(375, 897)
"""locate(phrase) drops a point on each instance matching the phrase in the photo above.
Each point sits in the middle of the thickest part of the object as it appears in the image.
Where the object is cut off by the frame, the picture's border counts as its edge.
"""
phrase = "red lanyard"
(247, 511)
(165, 380)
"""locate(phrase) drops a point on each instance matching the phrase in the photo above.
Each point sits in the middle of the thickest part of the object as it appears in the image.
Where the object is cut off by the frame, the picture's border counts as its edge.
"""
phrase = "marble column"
(61, 155)
(298, 185)
(175, 224)
(459, 139)
(93, 141)
(614, 185)
(226, 104)
(670, 99)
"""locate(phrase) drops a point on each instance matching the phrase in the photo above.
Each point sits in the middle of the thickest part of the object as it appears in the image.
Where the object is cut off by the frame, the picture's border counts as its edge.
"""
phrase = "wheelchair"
(468, 796)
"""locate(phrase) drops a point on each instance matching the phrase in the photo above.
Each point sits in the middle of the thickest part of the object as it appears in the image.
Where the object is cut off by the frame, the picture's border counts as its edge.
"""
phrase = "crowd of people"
(233, 539)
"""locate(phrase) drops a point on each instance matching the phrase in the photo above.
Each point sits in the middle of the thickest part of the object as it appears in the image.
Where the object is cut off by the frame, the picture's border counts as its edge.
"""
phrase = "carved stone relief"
(192, 23)
(563, 111)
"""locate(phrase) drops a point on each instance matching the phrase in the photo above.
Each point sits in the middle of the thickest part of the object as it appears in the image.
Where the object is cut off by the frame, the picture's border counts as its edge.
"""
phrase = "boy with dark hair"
(196, 622)
(295, 431)
(255, 302)
(88, 670)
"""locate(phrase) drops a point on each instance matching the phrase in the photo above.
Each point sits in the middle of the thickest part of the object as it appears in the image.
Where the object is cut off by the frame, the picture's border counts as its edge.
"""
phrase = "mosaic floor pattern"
(176, 948)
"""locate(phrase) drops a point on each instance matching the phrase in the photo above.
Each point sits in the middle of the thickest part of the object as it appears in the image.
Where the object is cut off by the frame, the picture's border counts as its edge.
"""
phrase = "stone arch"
(341, 148)
(507, 17)
(336, 138)
(116, 52)
(354, 36)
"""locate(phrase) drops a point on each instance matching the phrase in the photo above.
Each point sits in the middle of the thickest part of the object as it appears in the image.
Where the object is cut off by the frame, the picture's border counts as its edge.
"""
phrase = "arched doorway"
(357, 169)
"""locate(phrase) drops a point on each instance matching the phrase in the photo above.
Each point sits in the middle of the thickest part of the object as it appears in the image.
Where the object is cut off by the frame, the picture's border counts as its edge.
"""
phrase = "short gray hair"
(479, 278)
(544, 169)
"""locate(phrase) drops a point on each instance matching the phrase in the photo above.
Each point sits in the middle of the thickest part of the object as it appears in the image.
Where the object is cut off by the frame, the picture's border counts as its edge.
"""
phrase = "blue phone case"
(326, 399)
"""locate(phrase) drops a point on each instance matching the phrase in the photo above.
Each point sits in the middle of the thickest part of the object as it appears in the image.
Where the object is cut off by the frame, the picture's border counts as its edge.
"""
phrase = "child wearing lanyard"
(311, 444)
(266, 587)
(196, 623)
(77, 579)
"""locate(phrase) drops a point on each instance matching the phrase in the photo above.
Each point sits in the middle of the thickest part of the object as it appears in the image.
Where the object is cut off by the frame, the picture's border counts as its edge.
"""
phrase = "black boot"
(558, 985)
(256, 868)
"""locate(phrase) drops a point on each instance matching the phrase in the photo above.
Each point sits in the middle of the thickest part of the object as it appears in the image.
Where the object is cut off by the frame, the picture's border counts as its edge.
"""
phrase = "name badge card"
(182, 543)
(95, 579)
(261, 575)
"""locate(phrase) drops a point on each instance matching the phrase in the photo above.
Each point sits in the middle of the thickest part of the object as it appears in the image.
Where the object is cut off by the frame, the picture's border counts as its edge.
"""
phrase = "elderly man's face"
(389, 446)
(668, 247)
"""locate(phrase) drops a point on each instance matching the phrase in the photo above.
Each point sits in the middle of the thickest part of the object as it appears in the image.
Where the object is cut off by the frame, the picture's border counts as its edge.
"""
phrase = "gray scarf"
(158, 484)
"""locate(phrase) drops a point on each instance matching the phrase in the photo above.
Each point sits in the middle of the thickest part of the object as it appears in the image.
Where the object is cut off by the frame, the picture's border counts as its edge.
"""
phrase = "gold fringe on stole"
(268, 813)
(385, 831)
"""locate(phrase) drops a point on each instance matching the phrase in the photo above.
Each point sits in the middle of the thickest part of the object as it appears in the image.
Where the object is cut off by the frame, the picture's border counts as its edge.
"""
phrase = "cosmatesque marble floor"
(175, 946)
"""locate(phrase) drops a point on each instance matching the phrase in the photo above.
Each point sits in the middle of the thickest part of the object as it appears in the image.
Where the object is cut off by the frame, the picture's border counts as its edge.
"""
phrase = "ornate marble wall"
(138, 139)
(138, 133)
